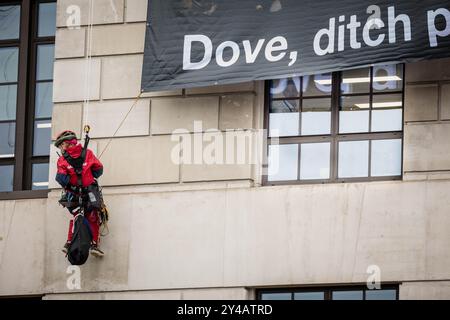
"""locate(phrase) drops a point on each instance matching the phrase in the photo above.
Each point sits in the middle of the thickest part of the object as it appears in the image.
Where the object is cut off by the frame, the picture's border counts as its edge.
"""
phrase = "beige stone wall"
(114, 74)
(192, 294)
(172, 241)
(433, 290)
(22, 246)
(427, 120)
(197, 230)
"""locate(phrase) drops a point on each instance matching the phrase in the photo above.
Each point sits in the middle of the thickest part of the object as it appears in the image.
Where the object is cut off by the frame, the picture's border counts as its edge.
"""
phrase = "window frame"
(25, 106)
(328, 290)
(334, 137)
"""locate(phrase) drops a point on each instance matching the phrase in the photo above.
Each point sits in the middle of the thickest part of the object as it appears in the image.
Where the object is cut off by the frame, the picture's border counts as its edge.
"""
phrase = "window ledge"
(27, 194)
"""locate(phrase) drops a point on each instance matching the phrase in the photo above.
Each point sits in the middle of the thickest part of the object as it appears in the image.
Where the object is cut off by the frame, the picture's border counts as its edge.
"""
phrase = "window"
(387, 292)
(27, 37)
(337, 127)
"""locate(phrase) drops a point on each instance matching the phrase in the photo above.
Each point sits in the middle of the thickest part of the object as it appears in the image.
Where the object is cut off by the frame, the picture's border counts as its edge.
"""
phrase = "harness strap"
(77, 165)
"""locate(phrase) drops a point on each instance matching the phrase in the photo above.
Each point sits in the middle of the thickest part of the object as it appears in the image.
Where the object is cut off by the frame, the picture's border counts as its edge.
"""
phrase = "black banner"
(193, 43)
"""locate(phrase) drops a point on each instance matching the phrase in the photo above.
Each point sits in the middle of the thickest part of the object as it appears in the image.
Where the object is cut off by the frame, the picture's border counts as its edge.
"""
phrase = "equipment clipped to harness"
(69, 199)
(103, 215)
(94, 198)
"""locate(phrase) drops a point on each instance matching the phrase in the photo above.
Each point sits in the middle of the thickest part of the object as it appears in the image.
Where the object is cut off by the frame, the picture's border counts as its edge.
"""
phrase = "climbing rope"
(87, 81)
(121, 123)
(103, 212)
(87, 84)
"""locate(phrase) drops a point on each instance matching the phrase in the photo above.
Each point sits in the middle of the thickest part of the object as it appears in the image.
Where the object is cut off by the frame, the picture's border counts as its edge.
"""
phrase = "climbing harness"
(89, 198)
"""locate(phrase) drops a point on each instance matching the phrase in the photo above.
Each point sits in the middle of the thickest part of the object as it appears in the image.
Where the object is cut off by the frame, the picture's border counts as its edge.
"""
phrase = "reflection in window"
(9, 64)
(34, 23)
(353, 159)
(8, 90)
(354, 114)
(7, 139)
(317, 85)
(344, 131)
(43, 100)
(9, 22)
(6, 181)
(44, 104)
(45, 57)
(42, 138)
(283, 162)
(381, 294)
(276, 296)
(8, 100)
(356, 81)
(280, 106)
(284, 118)
(331, 293)
(47, 19)
(347, 295)
(285, 88)
(40, 176)
(388, 78)
(309, 296)
(315, 161)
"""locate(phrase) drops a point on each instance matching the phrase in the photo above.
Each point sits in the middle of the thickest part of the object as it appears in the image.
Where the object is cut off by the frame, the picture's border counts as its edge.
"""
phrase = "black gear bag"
(78, 251)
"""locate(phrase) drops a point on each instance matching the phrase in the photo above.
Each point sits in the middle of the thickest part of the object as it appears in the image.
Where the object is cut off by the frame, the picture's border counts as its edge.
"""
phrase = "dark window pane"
(280, 106)
(356, 81)
(40, 176)
(386, 157)
(283, 162)
(387, 101)
(355, 103)
(317, 85)
(284, 118)
(7, 139)
(47, 19)
(45, 57)
(44, 104)
(381, 294)
(9, 64)
(354, 114)
(315, 161)
(316, 116)
(6, 178)
(9, 22)
(276, 296)
(388, 78)
(347, 295)
(8, 100)
(309, 295)
(353, 159)
(285, 88)
(42, 138)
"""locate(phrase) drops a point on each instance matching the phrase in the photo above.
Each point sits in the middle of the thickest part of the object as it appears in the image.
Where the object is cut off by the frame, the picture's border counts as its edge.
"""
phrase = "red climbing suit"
(66, 176)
